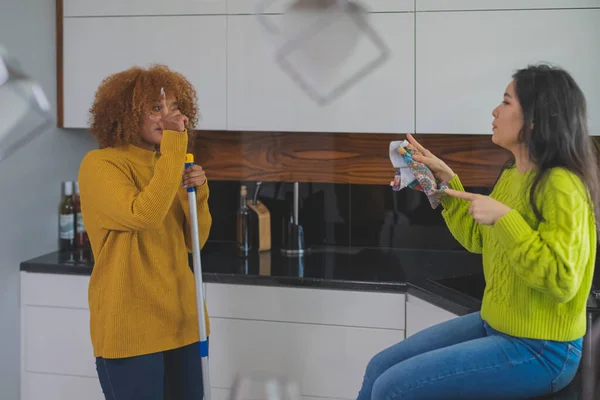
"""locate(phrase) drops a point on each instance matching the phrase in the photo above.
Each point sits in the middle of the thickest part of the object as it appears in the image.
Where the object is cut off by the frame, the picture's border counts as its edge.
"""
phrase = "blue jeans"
(169, 375)
(465, 358)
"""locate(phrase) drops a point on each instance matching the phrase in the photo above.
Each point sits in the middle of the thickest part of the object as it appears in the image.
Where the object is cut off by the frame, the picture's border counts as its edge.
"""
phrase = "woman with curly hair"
(142, 298)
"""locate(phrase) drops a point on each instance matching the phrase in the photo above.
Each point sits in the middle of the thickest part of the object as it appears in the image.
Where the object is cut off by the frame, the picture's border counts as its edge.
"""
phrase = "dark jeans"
(169, 375)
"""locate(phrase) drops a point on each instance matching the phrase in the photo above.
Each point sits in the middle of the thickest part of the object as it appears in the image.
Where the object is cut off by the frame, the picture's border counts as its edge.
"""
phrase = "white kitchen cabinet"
(56, 333)
(220, 394)
(104, 8)
(464, 61)
(468, 5)
(388, 5)
(223, 394)
(61, 387)
(307, 305)
(55, 290)
(260, 96)
(192, 45)
(279, 6)
(421, 314)
(57, 360)
(325, 360)
(321, 338)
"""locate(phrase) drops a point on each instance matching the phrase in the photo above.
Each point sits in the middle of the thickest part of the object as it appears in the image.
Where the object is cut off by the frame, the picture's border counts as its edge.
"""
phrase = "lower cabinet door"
(326, 361)
(60, 387)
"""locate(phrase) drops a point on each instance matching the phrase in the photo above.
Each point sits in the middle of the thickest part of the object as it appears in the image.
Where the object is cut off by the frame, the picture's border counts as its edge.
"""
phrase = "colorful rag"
(414, 174)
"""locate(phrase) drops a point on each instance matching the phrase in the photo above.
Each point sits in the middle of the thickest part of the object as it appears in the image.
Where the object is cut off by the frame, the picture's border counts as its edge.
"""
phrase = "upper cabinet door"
(97, 47)
(99, 8)
(260, 96)
(279, 6)
(465, 60)
(468, 5)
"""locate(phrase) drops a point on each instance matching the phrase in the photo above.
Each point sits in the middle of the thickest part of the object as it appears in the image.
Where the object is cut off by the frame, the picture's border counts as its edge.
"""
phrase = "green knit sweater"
(538, 274)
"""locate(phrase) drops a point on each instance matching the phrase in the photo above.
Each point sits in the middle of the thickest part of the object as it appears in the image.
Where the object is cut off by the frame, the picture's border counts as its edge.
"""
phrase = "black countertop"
(370, 269)
(452, 280)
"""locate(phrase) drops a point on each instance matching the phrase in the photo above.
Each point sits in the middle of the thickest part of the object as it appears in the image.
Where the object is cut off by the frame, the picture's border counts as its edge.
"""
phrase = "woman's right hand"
(440, 169)
(172, 120)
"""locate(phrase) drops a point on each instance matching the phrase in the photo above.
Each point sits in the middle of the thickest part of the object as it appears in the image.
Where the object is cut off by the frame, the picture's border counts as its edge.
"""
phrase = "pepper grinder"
(293, 233)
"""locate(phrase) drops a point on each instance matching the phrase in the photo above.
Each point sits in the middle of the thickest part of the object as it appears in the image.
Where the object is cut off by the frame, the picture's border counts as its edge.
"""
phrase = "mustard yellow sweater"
(142, 293)
(538, 274)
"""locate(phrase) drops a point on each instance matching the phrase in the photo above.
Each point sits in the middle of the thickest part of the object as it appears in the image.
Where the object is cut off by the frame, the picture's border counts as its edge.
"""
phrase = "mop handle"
(189, 161)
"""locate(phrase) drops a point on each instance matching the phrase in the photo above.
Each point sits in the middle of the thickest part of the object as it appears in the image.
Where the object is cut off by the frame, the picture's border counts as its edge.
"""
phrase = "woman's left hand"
(194, 176)
(483, 209)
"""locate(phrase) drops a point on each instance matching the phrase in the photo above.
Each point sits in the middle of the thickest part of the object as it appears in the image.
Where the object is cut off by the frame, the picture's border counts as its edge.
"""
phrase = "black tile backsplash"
(339, 214)
(381, 217)
(324, 210)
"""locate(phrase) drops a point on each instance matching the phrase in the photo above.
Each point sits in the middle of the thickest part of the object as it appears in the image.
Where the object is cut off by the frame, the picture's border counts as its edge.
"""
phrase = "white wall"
(30, 181)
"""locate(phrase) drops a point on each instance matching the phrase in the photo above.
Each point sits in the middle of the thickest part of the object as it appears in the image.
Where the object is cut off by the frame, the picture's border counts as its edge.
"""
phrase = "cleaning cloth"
(414, 174)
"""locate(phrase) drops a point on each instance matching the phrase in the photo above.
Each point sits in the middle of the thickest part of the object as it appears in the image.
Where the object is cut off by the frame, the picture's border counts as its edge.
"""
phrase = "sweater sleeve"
(119, 204)
(462, 226)
(552, 258)
(204, 216)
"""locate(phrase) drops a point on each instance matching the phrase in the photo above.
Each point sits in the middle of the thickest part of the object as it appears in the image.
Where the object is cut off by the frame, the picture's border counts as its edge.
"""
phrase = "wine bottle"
(81, 237)
(66, 217)
(242, 225)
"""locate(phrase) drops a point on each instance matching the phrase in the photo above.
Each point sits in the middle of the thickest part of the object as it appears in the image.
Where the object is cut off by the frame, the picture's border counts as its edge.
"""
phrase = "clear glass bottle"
(243, 225)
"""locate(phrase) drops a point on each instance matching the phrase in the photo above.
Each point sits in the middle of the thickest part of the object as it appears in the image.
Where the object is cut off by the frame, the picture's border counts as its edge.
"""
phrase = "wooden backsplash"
(337, 157)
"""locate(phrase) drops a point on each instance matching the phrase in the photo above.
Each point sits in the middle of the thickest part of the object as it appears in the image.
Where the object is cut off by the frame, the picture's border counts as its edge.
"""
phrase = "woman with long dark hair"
(536, 232)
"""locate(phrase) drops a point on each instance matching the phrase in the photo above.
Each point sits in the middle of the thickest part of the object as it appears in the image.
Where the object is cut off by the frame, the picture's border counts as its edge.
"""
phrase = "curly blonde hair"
(124, 98)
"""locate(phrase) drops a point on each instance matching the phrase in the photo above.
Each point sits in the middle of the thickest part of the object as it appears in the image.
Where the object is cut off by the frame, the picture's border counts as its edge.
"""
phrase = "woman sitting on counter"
(142, 295)
(537, 236)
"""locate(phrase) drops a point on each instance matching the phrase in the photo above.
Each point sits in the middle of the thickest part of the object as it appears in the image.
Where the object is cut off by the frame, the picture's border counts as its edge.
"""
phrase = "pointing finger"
(461, 195)
(163, 102)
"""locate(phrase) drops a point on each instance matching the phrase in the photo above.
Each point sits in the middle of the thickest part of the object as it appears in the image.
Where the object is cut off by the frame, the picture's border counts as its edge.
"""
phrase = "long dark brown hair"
(555, 129)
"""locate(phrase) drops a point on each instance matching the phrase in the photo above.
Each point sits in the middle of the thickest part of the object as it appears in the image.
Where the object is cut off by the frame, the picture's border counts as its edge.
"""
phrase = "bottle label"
(80, 225)
(67, 227)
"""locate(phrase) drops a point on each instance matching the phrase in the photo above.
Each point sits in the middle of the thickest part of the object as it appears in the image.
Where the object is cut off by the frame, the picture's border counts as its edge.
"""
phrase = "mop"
(189, 161)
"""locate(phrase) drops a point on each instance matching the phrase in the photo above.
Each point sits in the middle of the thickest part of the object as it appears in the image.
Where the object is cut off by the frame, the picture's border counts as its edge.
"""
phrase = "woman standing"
(537, 235)
(142, 296)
